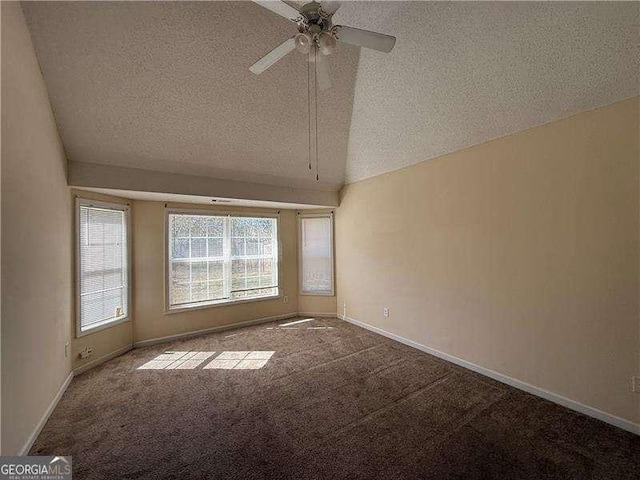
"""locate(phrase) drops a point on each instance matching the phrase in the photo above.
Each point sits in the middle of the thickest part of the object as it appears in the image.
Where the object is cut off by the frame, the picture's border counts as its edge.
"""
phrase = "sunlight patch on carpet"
(253, 360)
(231, 360)
(296, 322)
(177, 361)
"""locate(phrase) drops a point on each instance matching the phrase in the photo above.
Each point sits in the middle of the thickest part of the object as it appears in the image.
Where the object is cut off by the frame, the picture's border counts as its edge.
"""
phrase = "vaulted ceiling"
(166, 86)
(463, 73)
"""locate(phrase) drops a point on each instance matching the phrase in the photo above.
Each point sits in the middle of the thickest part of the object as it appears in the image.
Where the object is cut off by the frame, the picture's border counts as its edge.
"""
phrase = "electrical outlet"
(286, 299)
(86, 352)
(66, 349)
(344, 310)
(385, 312)
(635, 384)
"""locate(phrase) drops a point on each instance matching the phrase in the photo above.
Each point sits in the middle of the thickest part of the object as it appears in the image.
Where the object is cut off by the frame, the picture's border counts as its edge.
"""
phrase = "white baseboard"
(155, 341)
(43, 420)
(318, 314)
(104, 358)
(144, 343)
(540, 392)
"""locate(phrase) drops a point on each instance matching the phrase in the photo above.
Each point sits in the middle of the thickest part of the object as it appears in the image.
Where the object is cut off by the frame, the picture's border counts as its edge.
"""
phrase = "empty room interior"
(335, 240)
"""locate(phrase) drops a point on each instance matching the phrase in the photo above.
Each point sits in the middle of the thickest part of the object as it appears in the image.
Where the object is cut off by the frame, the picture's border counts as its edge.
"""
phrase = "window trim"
(125, 207)
(168, 310)
(328, 215)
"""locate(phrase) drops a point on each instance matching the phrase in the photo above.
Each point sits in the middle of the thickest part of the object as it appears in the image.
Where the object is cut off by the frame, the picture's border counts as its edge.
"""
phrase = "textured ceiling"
(166, 86)
(463, 73)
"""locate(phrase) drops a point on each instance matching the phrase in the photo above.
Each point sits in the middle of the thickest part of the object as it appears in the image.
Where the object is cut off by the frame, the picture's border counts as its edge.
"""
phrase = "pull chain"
(314, 139)
(309, 102)
(316, 100)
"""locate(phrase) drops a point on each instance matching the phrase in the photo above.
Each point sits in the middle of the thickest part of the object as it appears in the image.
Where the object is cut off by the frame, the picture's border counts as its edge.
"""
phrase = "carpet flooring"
(320, 399)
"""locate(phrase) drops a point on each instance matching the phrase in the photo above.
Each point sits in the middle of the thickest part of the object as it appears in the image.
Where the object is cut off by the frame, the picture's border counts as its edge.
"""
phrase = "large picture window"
(215, 258)
(102, 265)
(316, 254)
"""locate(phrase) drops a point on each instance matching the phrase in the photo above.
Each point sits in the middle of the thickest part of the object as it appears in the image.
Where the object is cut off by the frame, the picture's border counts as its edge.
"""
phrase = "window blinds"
(316, 239)
(103, 266)
(221, 258)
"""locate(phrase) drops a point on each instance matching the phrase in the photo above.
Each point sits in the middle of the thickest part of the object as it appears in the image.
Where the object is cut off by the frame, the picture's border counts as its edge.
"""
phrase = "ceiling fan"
(317, 35)
(316, 38)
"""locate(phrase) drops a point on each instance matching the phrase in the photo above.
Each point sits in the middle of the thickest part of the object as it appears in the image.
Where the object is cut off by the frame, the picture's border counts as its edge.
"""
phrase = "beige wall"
(104, 342)
(148, 239)
(519, 255)
(36, 258)
(318, 305)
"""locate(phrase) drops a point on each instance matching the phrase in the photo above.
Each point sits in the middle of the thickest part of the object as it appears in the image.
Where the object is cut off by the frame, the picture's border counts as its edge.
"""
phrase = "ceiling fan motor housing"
(315, 30)
(314, 20)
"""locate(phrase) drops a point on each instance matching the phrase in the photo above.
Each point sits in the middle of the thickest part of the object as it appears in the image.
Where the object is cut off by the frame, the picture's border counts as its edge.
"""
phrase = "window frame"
(126, 208)
(301, 291)
(168, 309)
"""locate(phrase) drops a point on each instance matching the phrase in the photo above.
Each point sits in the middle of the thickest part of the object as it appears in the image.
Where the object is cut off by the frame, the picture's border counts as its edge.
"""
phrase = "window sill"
(317, 294)
(202, 306)
(102, 326)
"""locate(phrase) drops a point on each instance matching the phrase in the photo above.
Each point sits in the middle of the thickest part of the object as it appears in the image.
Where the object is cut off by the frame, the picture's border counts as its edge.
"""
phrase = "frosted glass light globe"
(303, 42)
(327, 44)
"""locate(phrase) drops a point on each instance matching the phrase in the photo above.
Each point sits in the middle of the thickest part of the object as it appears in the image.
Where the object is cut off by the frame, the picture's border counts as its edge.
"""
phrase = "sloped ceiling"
(166, 86)
(463, 73)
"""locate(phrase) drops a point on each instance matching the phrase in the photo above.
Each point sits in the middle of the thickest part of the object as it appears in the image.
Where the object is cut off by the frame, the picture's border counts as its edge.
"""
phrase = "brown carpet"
(334, 402)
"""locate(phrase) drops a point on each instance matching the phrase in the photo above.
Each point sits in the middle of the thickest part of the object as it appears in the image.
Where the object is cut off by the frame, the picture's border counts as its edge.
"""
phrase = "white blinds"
(221, 258)
(316, 246)
(103, 267)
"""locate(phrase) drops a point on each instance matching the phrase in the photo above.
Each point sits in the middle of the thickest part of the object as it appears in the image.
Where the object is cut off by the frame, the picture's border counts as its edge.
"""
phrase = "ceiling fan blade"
(365, 38)
(280, 8)
(322, 72)
(330, 8)
(273, 56)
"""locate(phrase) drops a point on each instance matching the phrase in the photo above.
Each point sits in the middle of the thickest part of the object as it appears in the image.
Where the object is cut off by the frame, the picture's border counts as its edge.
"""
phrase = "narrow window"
(316, 254)
(215, 259)
(102, 265)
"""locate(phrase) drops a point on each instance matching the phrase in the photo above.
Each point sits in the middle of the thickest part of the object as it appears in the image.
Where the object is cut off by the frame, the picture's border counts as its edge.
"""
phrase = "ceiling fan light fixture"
(327, 44)
(303, 42)
(317, 37)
